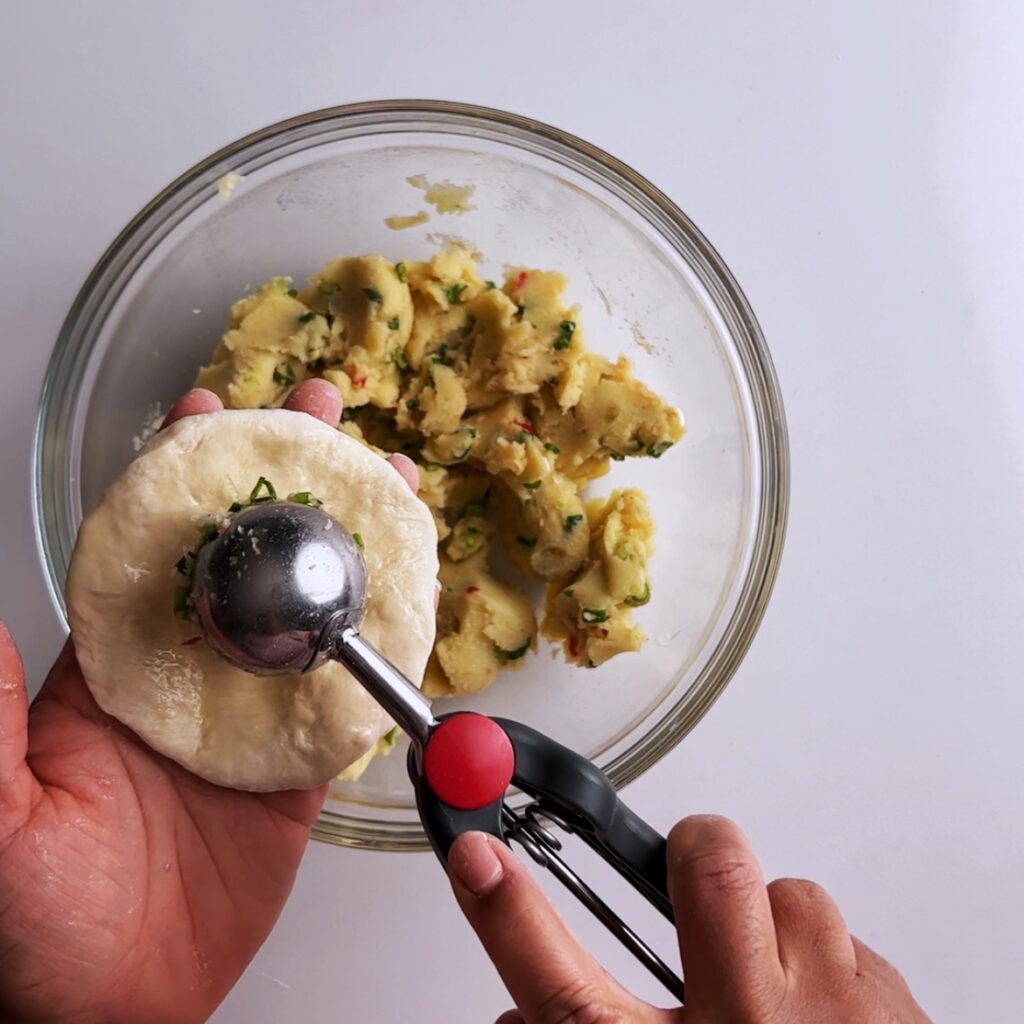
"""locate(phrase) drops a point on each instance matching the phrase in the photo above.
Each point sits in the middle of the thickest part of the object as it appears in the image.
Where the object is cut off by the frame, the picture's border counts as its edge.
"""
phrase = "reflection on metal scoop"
(283, 589)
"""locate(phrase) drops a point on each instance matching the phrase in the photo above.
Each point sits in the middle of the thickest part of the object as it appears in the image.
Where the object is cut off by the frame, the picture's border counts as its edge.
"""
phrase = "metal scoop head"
(269, 585)
(283, 589)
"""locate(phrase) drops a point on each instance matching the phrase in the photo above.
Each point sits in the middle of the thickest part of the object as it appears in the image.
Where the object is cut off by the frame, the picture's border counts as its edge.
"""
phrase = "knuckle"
(577, 1002)
(725, 870)
(807, 915)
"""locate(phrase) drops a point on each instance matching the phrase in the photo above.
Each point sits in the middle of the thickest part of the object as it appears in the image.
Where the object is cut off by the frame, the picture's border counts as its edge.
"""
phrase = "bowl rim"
(187, 191)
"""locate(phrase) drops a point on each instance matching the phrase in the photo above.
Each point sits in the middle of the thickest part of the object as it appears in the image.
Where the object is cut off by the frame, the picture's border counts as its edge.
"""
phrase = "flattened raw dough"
(184, 700)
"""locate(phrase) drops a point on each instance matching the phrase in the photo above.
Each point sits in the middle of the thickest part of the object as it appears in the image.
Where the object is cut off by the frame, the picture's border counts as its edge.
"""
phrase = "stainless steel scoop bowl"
(282, 589)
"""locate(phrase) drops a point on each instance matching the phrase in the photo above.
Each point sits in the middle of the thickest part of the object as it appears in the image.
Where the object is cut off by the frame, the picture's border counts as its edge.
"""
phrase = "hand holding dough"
(144, 666)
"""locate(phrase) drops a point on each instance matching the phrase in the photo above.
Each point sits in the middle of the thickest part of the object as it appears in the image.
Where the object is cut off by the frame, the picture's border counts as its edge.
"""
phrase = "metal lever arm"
(583, 800)
(543, 847)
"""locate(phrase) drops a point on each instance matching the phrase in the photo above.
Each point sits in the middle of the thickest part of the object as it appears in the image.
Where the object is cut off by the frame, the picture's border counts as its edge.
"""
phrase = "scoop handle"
(385, 684)
(579, 796)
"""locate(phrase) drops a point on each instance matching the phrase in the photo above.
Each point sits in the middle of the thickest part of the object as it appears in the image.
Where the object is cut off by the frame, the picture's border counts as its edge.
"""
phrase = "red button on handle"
(468, 761)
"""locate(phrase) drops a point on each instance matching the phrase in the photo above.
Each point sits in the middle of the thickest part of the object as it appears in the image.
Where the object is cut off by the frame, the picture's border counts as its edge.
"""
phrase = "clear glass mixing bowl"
(650, 286)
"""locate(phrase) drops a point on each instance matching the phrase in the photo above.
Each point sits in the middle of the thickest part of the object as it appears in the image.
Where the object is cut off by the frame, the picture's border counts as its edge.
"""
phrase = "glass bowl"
(650, 286)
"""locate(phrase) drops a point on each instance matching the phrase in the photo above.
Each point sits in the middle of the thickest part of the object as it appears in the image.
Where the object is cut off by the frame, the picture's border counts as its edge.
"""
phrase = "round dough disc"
(144, 665)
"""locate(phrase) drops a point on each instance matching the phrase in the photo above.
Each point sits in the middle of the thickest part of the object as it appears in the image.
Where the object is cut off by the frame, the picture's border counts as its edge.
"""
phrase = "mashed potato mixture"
(490, 388)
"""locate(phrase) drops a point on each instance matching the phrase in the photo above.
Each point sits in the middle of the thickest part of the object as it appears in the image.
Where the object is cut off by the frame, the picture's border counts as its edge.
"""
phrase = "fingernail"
(474, 864)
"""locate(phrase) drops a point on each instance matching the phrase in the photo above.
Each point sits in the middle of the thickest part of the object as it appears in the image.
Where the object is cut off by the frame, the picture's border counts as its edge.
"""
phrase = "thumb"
(547, 972)
(15, 778)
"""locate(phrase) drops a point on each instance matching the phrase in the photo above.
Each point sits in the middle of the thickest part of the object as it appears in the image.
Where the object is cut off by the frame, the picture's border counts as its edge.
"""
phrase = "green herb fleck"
(182, 608)
(292, 292)
(327, 287)
(473, 508)
(504, 656)
(520, 310)
(617, 457)
(471, 538)
(263, 491)
(305, 498)
(532, 485)
(453, 293)
(523, 437)
(400, 272)
(181, 565)
(412, 403)
(235, 506)
(358, 538)
(568, 592)
(657, 450)
(306, 317)
(564, 339)
(207, 532)
(373, 295)
(393, 324)
(440, 354)
(571, 522)
(527, 542)
(285, 375)
(490, 285)
(634, 601)
(591, 615)
(390, 738)
(553, 448)
(471, 433)
(400, 361)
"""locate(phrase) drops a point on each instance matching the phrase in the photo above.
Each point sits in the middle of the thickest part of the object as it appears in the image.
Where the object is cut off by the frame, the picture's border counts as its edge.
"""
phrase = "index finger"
(726, 930)
(547, 972)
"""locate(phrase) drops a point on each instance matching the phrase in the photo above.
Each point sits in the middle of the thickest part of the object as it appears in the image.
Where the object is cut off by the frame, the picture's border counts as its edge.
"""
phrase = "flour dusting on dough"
(154, 420)
(172, 674)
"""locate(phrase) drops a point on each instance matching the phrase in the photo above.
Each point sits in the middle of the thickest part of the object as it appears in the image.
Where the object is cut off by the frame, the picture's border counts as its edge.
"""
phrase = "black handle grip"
(444, 824)
(580, 794)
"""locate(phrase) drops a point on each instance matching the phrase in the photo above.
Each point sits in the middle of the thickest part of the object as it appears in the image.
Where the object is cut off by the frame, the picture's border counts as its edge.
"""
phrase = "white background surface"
(860, 168)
